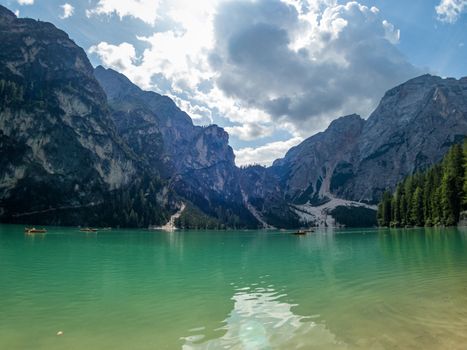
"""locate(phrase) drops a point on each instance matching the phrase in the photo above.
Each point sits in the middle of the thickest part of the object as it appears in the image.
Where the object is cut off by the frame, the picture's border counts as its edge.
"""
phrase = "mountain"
(264, 196)
(61, 156)
(412, 128)
(197, 161)
(355, 160)
(86, 146)
(306, 170)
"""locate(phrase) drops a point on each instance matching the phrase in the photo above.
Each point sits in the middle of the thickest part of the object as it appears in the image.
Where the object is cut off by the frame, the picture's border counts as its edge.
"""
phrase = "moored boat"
(35, 230)
(88, 229)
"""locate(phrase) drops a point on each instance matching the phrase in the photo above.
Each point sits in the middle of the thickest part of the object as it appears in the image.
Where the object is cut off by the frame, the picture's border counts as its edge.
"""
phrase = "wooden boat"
(88, 229)
(300, 233)
(35, 230)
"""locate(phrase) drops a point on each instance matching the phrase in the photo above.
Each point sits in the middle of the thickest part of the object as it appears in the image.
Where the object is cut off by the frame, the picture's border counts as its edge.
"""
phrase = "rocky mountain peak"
(355, 159)
(6, 15)
(115, 84)
(72, 136)
(341, 131)
(39, 47)
(58, 144)
(343, 124)
(399, 105)
(198, 160)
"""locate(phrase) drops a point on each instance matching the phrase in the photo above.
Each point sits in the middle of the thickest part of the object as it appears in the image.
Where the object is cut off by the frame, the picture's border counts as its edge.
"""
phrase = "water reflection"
(423, 244)
(261, 320)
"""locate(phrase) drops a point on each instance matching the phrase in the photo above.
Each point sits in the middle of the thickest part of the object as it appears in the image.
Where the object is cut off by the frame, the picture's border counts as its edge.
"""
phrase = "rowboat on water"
(303, 232)
(88, 229)
(34, 230)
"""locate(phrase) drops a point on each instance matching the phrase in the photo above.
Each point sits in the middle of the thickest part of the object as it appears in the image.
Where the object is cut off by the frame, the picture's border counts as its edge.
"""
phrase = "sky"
(271, 72)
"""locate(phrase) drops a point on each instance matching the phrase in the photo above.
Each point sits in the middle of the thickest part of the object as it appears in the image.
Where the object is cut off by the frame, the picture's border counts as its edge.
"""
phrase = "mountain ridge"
(74, 136)
(60, 149)
(198, 160)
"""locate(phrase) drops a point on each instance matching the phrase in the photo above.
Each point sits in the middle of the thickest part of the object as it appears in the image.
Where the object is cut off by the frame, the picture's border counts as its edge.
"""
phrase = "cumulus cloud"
(145, 10)
(450, 10)
(299, 68)
(67, 10)
(265, 155)
(198, 112)
(26, 2)
(250, 131)
(119, 57)
(268, 66)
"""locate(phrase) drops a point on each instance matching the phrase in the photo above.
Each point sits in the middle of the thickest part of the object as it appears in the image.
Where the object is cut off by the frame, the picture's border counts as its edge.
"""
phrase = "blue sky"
(272, 72)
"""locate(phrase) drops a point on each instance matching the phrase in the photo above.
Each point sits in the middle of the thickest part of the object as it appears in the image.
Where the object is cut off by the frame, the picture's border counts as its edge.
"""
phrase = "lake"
(136, 289)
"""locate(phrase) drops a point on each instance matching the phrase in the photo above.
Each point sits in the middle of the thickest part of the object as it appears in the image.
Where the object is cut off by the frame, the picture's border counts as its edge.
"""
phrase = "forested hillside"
(434, 197)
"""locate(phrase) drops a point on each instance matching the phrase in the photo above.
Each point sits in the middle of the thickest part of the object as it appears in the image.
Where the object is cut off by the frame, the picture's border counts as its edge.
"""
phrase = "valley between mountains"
(85, 146)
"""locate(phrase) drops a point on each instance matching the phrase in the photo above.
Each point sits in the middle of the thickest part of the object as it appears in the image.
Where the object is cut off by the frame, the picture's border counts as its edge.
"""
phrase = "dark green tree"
(434, 197)
(384, 219)
(417, 217)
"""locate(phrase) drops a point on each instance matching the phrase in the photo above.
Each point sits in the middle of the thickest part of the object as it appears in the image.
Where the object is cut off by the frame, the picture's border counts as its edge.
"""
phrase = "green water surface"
(130, 289)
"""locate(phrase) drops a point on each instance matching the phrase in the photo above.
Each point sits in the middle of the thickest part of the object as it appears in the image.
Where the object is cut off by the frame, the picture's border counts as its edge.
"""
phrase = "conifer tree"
(464, 185)
(417, 208)
(396, 218)
(434, 197)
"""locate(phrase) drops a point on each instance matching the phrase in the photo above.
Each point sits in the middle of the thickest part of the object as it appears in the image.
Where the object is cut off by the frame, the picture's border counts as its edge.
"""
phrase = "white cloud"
(250, 131)
(121, 57)
(17, 13)
(320, 70)
(391, 33)
(266, 154)
(145, 10)
(301, 67)
(26, 2)
(67, 10)
(199, 114)
(449, 11)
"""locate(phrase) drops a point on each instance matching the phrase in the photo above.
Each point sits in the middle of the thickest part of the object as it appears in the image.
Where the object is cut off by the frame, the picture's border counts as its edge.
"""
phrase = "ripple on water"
(134, 289)
(260, 320)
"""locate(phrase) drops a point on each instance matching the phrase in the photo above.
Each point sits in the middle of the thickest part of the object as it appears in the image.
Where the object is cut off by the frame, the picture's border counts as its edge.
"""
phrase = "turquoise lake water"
(130, 289)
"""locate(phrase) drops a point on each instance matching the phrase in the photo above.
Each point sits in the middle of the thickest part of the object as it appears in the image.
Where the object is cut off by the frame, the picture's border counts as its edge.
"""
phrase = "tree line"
(435, 197)
(135, 206)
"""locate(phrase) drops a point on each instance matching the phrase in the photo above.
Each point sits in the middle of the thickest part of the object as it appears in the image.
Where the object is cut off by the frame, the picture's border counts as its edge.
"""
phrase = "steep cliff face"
(197, 161)
(141, 118)
(356, 160)
(412, 128)
(81, 145)
(263, 192)
(309, 171)
(59, 147)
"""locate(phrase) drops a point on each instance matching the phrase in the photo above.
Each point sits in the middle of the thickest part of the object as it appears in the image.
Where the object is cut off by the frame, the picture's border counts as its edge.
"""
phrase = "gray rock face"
(70, 135)
(197, 161)
(412, 128)
(308, 171)
(151, 123)
(58, 144)
(263, 189)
